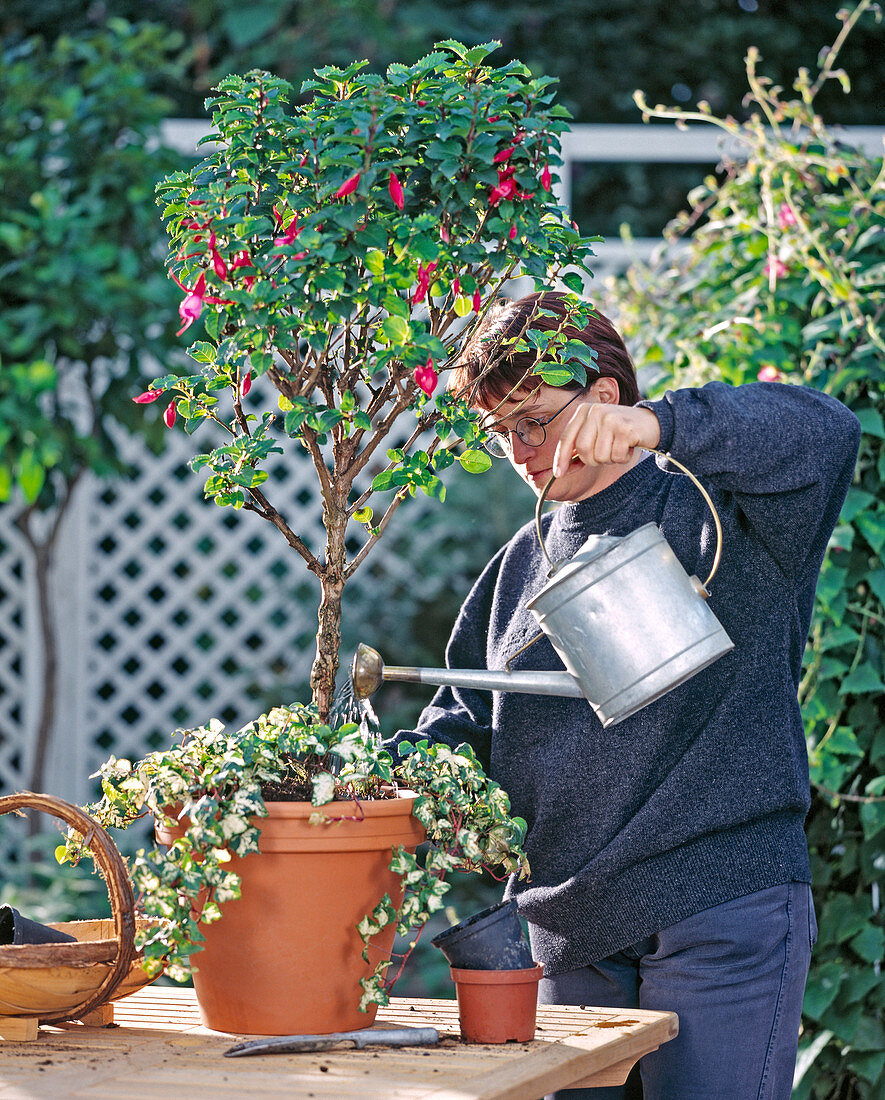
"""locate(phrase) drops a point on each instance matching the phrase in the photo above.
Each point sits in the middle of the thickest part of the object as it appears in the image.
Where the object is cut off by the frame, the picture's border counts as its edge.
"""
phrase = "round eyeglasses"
(531, 431)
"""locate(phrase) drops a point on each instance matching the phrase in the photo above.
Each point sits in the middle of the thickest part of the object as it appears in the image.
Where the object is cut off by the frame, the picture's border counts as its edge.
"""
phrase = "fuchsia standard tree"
(338, 248)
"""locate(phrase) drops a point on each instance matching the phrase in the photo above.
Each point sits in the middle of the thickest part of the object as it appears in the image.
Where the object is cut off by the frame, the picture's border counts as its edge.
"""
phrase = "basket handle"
(116, 879)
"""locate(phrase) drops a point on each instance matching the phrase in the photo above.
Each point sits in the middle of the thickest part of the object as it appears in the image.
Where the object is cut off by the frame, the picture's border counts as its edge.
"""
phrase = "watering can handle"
(542, 498)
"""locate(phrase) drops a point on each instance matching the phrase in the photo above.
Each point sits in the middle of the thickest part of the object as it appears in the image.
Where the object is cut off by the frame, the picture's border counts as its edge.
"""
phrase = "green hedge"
(778, 272)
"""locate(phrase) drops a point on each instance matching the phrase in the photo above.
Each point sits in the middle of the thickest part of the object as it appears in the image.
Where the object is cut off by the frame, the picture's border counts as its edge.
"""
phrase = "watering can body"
(628, 622)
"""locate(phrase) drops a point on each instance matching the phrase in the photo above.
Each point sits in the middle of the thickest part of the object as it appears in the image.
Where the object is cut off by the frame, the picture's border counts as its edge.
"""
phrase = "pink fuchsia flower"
(786, 216)
(768, 373)
(775, 270)
(423, 286)
(243, 259)
(169, 414)
(349, 186)
(396, 191)
(147, 397)
(246, 384)
(506, 189)
(192, 306)
(545, 178)
(292, 231)
(426, 377)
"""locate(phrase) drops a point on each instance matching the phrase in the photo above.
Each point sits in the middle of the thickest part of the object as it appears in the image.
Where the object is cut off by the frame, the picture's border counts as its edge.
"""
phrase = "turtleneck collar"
(612, 499)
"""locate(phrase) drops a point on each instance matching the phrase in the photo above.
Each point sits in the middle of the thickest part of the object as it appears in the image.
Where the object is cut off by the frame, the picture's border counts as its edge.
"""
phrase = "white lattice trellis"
(171, 611)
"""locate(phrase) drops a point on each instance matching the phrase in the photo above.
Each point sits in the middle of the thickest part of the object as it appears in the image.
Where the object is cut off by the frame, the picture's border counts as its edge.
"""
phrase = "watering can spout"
(368, 672)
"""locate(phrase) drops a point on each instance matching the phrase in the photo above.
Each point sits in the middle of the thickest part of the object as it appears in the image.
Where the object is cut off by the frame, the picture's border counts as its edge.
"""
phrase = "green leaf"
(475, 461)
(396, 329)
(856, 501)
(871, 422)
(872, 527)
(821, 988)
(869, 943)
(864, 679)
(556, 376)
(384, 481)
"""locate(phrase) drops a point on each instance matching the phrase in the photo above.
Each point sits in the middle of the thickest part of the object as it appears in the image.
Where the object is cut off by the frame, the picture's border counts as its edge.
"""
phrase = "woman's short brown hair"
(486, 375)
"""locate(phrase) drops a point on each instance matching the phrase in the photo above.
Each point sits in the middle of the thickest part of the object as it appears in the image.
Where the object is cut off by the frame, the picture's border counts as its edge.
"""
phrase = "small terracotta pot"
(497, 1006)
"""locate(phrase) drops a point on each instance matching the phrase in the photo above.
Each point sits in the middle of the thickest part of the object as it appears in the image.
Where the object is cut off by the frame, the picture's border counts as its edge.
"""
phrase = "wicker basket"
(66, 981)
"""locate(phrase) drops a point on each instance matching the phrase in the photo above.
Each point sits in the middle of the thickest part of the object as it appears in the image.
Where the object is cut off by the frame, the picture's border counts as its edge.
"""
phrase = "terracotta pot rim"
(344, 808)
(497, 977)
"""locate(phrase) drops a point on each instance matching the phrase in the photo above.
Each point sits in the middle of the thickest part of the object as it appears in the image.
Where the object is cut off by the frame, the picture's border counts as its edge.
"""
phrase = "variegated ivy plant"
(214, 779)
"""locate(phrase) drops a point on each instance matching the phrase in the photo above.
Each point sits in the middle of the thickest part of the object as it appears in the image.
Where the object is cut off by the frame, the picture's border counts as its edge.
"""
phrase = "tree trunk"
(328, 639)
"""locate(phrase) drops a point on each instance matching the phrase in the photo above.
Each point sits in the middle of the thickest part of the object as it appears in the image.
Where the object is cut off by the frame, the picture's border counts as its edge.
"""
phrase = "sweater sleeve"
(786, 453)
(458, 715)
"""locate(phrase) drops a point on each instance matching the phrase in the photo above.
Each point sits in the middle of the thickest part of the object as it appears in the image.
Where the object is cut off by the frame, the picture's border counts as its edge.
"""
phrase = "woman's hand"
(602, 434)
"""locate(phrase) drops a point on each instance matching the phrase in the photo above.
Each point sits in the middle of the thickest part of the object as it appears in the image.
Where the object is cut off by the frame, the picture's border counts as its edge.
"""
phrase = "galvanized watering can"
(624, 616)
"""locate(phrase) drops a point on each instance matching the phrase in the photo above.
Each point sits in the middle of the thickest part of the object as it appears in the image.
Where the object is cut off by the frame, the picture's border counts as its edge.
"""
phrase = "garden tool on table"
(366, 1037)
(624, 616)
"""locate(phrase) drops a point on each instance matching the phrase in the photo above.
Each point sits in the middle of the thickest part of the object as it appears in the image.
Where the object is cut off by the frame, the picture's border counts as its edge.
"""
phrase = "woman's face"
(534, 464)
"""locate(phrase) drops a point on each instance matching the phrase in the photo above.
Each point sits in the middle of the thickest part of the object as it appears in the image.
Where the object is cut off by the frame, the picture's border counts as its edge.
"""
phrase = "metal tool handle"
(309, 1044)
(716, 521)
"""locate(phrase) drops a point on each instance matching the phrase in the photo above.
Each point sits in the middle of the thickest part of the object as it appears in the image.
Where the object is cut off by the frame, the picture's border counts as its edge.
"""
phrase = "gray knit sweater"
(701, 796)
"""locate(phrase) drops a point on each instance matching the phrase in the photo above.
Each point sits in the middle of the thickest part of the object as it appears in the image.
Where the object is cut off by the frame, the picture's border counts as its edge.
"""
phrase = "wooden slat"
(159, 1049)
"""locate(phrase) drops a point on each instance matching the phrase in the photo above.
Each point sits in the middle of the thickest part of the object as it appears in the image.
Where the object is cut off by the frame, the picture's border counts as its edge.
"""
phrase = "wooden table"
(157, 1050)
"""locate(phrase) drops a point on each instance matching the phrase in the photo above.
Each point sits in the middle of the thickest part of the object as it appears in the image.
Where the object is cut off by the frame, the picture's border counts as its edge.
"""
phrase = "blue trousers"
(735, 974)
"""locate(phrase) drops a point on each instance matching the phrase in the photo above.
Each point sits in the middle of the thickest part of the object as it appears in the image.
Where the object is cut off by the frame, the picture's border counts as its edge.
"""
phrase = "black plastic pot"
(16, 929)
(490, 940)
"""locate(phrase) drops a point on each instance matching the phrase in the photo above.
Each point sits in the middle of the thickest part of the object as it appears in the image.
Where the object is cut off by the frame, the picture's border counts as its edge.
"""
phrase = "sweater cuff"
(664, 412)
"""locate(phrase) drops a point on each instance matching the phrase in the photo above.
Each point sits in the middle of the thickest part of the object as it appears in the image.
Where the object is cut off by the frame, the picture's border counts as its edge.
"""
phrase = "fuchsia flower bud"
(494, 118)
(477, 301)
(505, 154)
(396, 191)
(444, 234)
(512, 233)
(545, 178)
(246, 384)
(349, 186)
(169, 414)
(426, 377)
(147, 397)
(456, 286)
(218, 265)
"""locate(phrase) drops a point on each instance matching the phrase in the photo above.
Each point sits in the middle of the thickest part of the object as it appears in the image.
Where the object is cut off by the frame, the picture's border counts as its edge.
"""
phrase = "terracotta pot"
(285, 958)
(497, 1006)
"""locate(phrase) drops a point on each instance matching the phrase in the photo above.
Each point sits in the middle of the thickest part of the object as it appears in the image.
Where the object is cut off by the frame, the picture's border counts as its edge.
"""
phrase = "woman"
(669, 864)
